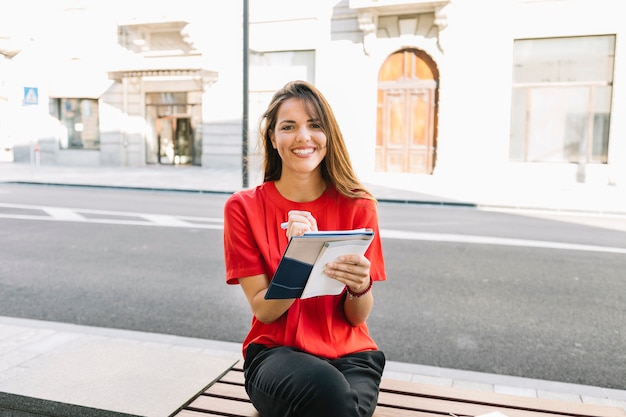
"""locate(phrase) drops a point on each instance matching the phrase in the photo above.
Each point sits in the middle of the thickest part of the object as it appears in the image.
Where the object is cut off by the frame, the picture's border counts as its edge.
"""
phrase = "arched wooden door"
(407, 113)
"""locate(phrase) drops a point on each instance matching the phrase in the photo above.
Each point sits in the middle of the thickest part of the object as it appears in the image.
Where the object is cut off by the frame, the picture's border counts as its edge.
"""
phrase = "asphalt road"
(467, 289)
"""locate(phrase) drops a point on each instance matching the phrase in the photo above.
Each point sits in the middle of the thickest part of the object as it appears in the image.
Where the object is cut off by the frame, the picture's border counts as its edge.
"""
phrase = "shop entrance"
(174, 140)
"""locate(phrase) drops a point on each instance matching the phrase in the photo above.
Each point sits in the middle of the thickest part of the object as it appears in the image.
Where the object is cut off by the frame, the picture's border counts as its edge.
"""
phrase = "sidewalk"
(576, 198)
(64, 366)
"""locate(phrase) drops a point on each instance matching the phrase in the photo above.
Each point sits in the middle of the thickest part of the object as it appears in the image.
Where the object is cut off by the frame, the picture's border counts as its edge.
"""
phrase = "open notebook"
(300, 271)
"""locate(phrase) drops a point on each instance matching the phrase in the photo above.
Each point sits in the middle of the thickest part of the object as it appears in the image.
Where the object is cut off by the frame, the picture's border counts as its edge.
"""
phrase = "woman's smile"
(303, 151)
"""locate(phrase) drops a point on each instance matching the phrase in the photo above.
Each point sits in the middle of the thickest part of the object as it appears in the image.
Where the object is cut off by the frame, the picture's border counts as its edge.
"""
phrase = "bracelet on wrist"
(352, 294)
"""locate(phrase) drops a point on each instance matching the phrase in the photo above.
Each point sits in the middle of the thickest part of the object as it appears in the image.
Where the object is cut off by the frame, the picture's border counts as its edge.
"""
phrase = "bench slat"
(491, 398)
(382, 411)
(224, 406)
(220, 389)
(447, 406)
(189, 413)
(233, 377)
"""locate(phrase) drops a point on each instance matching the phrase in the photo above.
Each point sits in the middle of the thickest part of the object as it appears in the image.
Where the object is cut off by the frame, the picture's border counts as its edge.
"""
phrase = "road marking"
(109, 217)
(213, 223)
(501, 241)
(162, 220)
(63, 214)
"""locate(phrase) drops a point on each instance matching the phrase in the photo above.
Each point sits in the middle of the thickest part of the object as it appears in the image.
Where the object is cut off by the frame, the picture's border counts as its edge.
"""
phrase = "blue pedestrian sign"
(31, 96)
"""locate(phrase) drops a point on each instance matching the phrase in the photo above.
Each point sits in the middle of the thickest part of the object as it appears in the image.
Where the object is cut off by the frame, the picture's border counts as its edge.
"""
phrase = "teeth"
(303, 151)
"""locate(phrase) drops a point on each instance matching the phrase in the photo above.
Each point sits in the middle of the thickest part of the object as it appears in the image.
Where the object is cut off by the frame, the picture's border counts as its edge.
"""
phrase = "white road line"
(488, 240)
(110, 212)
(126, 218)
(162, 220)
(114, 222)
(27, 217)
(63, 213)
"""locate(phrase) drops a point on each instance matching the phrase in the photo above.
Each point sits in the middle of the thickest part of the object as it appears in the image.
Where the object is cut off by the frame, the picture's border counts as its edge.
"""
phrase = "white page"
(319, 283)
(338, 232)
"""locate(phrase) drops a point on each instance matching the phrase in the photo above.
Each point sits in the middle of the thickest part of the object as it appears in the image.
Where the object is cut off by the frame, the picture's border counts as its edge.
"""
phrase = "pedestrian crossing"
(46, 213)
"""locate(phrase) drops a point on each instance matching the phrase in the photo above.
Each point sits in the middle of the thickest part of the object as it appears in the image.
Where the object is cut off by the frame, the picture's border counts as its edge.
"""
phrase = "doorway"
(407, 113)
(174, 140)
(172, 137)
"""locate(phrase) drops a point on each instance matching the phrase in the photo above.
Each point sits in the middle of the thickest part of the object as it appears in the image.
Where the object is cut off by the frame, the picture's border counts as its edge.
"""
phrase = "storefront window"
(561, 101)
(79, 120)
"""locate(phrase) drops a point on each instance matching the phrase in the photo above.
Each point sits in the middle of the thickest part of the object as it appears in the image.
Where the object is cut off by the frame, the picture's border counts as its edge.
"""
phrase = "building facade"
(520, 91)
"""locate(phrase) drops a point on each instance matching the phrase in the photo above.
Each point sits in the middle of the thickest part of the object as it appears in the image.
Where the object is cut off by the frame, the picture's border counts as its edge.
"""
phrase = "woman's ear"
(272, 138)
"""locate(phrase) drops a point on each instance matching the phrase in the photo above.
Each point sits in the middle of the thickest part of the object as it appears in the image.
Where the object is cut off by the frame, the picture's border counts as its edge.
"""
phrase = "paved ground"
(117, 369)
(543, 195)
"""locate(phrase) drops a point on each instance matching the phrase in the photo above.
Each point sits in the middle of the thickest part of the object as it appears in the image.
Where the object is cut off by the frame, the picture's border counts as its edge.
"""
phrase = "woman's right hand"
(300, 222)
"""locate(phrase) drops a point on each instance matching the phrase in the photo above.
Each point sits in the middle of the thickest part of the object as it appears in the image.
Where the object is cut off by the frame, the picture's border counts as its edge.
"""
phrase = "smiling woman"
(314, 356)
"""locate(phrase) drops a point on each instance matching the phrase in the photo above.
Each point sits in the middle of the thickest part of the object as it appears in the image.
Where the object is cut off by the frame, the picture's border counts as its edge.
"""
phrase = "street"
(508, 293)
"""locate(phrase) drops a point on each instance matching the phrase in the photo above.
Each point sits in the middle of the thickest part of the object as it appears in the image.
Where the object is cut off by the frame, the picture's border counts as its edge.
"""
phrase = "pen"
(284, 225)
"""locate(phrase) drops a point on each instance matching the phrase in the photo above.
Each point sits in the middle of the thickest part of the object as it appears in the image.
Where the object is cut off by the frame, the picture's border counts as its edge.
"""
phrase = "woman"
(305, 357)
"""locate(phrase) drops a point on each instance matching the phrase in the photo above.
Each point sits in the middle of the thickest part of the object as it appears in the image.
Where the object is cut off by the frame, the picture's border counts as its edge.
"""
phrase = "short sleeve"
(241, 253)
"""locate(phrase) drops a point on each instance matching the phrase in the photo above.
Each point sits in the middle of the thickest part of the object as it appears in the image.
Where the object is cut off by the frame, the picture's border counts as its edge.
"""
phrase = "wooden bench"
(226, 397)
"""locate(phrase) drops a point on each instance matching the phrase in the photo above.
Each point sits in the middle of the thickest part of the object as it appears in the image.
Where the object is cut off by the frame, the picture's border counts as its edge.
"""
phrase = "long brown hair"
(336, 166)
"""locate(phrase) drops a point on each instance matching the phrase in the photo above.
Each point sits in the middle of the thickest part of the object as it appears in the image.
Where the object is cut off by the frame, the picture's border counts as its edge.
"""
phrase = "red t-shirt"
(254, 244)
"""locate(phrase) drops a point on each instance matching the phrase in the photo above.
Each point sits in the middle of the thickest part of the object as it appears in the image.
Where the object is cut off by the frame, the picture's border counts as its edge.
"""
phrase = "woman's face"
(298, 137)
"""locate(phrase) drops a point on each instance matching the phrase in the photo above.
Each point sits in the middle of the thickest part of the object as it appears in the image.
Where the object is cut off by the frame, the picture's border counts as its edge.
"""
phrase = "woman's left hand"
(352, 270)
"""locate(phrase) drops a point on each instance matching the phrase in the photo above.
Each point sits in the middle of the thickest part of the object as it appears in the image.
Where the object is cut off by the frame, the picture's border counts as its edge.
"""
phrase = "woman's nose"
(304, 134)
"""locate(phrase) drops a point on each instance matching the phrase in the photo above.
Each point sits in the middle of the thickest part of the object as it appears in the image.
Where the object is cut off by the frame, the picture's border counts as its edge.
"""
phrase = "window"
(561, 100)
(270, 71)
(79, 120)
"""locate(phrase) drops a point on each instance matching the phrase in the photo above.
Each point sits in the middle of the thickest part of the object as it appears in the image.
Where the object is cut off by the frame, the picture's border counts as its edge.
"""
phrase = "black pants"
(285, 382)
